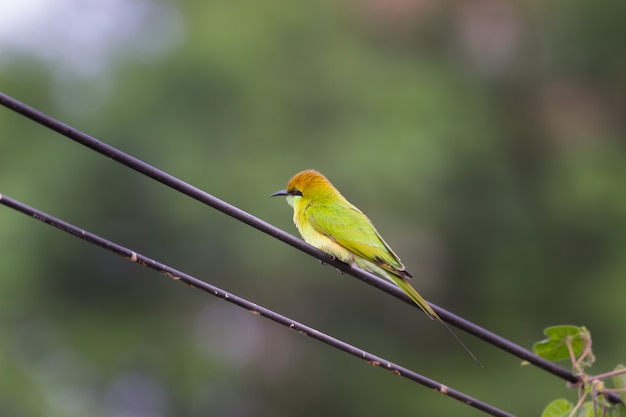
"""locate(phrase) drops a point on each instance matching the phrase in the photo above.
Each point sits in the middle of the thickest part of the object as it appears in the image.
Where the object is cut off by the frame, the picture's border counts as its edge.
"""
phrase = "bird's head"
(307, 185)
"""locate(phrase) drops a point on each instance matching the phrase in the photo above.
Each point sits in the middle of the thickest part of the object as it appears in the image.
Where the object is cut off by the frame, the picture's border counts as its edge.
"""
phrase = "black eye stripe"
(295, 191)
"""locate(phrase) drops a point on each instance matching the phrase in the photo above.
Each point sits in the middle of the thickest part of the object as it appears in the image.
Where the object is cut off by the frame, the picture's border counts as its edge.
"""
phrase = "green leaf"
(558, 408)
(588, 409)
(619, 381)
(554, 347)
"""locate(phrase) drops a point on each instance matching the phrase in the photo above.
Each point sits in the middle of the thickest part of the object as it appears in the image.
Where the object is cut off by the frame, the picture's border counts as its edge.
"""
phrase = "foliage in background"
(485, 139)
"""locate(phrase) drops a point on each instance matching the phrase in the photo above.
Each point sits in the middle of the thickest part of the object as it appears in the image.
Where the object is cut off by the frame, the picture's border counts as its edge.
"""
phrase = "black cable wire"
(250, 306)
(273, 231)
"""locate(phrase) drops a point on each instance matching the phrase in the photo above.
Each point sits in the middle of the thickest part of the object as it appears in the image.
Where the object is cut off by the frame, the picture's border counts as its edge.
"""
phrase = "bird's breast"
(320, 240)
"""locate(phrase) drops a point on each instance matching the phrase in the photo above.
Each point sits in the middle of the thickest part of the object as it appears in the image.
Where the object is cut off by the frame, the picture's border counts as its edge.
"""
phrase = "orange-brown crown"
(310, 181)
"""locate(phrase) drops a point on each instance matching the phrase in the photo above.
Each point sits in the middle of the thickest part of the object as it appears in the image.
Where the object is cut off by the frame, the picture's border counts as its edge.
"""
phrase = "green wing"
(351, 229)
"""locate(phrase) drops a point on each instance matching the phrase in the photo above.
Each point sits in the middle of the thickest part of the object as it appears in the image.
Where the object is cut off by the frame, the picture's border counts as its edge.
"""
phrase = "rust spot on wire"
(174, 277)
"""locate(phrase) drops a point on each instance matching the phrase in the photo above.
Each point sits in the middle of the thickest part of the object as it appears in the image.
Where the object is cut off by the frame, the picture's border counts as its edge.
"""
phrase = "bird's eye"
(295, 192)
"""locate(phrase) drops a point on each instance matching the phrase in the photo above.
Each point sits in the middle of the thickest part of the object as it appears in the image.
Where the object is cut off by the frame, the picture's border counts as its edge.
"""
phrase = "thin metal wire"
(175, 183)
(250, 306)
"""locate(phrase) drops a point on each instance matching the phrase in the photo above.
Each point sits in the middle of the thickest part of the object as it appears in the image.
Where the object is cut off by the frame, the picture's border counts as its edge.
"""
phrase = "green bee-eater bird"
(328, 221)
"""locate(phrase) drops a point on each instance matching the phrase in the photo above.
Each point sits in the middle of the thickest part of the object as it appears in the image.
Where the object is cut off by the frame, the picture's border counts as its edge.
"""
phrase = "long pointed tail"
(414, 295)
(423, 304)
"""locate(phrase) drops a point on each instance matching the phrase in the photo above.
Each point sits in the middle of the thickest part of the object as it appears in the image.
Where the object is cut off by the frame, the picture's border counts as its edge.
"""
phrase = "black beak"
(281, 192)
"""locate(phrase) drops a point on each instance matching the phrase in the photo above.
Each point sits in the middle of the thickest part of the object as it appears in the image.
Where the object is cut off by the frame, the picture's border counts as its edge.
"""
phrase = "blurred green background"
(484, 138)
